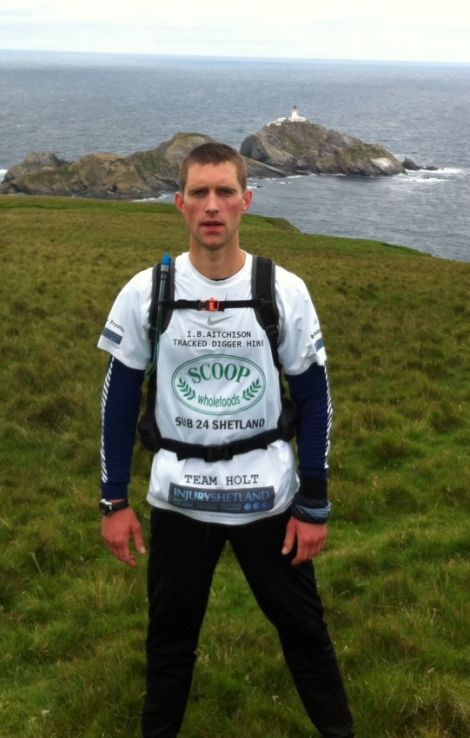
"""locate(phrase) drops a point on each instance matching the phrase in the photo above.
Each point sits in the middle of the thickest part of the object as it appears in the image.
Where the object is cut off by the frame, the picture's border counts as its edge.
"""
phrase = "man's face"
(213, 203)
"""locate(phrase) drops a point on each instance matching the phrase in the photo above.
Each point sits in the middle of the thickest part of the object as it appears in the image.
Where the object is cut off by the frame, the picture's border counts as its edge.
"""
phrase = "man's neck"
(219, 264)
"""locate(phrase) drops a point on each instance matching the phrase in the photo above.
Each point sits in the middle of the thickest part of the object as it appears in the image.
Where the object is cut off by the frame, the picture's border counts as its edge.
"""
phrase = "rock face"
(411, 166)
(106, 175)
(288, 146)
(143, 174)
(301, 147)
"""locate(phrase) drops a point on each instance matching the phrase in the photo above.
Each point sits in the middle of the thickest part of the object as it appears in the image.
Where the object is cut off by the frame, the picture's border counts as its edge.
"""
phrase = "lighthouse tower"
(295, 117)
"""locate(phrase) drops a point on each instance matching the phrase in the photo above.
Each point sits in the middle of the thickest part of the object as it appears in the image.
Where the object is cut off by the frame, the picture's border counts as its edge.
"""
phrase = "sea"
(73, 104)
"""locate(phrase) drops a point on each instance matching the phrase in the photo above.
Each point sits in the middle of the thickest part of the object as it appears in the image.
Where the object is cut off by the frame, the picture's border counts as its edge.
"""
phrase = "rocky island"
(106, 175)
(298, 146)
(287, 146)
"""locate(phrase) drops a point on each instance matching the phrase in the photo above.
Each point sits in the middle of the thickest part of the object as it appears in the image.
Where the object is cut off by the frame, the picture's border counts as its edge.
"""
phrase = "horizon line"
(234, 57)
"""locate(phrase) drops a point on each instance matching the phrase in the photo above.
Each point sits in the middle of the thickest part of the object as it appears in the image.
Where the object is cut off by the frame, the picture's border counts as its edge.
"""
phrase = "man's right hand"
(117, 530)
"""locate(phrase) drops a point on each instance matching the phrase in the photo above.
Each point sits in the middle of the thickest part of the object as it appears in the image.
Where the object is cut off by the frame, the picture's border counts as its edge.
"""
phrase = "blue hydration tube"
(164, 269)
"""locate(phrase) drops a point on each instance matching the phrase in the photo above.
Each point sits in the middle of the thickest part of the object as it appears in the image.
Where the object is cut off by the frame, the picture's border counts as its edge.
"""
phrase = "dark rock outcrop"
(288, 146)
(94, 175)
(106, 175)
(411, 166)
(159, 168)
(300, 147)
(143, 174)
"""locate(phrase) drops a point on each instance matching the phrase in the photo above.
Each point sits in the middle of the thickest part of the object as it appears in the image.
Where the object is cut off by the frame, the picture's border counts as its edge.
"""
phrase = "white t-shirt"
(217, 383)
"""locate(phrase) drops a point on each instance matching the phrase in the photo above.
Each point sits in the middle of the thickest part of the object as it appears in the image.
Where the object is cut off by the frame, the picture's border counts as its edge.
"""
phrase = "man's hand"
(309, 539)
(117, 530)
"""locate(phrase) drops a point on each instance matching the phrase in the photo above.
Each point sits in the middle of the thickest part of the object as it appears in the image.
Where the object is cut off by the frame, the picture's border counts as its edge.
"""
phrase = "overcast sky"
(336, 29)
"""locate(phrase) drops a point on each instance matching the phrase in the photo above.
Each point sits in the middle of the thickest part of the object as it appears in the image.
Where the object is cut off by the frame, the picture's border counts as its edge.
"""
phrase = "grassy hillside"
(394, 576)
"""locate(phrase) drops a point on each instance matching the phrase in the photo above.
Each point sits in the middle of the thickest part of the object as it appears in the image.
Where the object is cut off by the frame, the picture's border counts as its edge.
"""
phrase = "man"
(217, 383)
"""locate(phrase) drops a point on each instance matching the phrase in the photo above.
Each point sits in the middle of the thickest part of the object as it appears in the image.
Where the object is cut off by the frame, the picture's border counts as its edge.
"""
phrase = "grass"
(394, 577)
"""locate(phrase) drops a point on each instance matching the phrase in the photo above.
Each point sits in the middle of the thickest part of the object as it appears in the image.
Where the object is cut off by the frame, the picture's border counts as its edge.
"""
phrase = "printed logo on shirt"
(215, 321)
(218, 384)
(316, 336)
(112, 336)
(222, 500)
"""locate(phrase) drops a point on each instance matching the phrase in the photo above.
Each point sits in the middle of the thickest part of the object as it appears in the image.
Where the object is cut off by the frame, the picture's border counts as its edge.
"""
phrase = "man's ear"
(247, 199)
(179, 202)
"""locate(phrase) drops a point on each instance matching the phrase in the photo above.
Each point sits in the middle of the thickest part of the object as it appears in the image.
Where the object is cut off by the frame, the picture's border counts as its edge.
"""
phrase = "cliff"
(300, 146)
(143, 174)
(106, 175)
(285, 147)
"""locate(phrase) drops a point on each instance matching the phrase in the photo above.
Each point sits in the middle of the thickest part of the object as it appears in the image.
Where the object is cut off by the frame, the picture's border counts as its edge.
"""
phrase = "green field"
(395, 576)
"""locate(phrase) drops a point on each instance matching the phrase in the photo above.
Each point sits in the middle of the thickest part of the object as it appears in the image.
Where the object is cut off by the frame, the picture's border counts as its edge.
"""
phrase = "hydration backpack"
(162, 304)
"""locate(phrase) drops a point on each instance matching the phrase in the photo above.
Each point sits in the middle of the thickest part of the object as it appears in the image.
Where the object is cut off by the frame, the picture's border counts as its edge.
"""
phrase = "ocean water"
(74, 104)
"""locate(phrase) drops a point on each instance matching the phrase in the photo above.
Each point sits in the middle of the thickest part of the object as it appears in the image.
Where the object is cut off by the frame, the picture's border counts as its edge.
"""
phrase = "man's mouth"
(212, 223)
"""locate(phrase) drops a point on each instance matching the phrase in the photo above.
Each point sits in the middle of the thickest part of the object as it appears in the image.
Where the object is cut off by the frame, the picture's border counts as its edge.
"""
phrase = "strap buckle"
(218, 453)
(212, 304)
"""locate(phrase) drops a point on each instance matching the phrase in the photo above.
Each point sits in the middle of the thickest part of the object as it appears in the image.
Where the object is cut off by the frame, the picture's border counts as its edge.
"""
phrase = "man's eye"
(226, 192)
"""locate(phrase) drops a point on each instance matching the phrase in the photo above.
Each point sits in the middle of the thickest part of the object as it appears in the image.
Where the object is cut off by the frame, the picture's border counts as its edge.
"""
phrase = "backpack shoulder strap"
(264, 294)
(158, 312)
(263, 301)
(168, 297)
(153, 310)
(267, 314)
(155, 306)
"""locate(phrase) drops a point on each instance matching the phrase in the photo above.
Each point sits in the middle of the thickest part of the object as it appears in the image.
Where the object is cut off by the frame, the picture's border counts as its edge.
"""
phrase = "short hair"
(214, 152)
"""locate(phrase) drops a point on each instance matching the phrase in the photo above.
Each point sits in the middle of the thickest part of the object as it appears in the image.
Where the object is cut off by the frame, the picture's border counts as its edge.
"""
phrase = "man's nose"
(212, 203)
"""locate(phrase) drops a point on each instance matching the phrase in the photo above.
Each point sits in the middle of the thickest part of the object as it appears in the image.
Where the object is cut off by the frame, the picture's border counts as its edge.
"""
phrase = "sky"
(389, 30)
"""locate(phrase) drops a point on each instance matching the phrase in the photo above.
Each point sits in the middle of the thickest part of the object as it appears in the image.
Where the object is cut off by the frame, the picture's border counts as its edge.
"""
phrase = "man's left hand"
(309, 539)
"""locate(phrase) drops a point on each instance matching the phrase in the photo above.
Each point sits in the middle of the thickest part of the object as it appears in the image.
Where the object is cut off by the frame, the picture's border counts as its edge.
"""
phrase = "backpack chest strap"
(212, 304)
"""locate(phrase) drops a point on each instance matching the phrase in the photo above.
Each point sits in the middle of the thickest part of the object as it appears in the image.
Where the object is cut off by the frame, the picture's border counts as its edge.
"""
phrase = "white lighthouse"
(295, 117)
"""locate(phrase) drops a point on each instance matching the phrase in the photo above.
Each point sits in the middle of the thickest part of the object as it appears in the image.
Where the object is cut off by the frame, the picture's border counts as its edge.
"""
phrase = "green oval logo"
(218, 384)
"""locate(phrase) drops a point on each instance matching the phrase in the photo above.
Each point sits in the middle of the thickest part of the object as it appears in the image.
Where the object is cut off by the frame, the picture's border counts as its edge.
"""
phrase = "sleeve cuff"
(310, 503)
(318, 515)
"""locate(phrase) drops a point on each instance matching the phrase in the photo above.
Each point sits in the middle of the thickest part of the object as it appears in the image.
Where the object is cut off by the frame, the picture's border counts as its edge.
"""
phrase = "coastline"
(420, 110)
(309, 204)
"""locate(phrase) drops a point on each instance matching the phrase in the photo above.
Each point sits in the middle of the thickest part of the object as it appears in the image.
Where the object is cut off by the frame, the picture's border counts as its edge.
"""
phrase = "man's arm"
(307, 530)
(120, 405)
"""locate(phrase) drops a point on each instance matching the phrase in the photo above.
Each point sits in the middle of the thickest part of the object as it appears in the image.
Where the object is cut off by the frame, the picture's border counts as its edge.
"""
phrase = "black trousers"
(182, 558)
